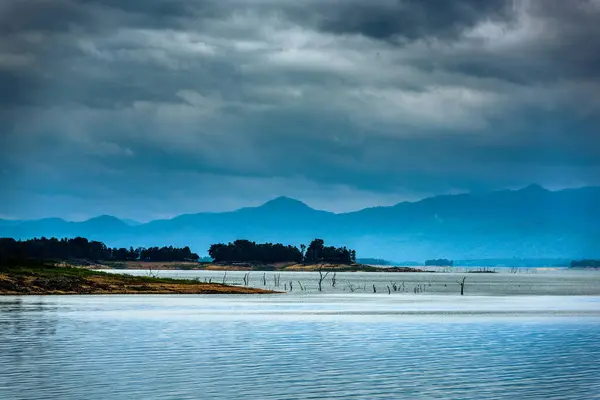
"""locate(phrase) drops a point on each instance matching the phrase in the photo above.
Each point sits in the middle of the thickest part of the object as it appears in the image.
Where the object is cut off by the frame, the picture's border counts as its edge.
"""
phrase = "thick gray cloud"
(399, 20)
(165, 106)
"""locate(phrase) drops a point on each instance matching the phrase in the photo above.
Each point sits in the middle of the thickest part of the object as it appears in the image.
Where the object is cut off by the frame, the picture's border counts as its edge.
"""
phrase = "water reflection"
(19, 318)
(305, 347)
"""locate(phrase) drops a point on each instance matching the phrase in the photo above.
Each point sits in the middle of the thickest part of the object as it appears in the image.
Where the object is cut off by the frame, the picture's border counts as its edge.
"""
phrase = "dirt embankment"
(59, 280)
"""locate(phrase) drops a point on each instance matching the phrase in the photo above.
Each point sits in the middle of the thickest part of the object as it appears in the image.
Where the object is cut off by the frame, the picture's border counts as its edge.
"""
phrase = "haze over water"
(304, 345)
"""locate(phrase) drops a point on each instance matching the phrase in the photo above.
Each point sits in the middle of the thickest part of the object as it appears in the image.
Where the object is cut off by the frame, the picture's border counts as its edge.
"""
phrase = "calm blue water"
(326, 346)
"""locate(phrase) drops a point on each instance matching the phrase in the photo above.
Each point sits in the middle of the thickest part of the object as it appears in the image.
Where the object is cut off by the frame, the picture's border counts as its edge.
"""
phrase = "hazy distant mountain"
(532, 223)
(131, 222)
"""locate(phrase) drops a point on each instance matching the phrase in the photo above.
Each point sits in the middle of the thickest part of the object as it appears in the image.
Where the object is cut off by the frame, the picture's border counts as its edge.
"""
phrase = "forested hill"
(528, 223)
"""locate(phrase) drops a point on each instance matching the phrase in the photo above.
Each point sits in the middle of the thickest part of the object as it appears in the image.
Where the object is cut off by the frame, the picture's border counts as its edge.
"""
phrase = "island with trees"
(439, 262)
(269, 253)
(587, 263)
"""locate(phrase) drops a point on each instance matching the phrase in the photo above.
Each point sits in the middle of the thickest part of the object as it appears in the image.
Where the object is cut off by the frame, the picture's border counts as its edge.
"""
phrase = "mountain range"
(532, 222)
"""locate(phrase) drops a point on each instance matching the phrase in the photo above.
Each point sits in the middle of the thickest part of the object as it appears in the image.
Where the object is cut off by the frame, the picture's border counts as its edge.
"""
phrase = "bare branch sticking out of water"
(322, 277)
(350, 287)
(151, 273)
(462, 286)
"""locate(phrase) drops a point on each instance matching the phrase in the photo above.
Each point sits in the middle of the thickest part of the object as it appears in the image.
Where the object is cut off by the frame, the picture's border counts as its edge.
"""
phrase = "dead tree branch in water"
(350, 287)
(462, 286)
(152, 274)
(322, 277)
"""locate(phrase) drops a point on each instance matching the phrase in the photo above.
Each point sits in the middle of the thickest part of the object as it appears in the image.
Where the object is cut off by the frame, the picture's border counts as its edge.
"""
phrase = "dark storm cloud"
(41, 15)
(407, 19)
(252, 98)
(576, 34)
(66, 15)
(566, 46)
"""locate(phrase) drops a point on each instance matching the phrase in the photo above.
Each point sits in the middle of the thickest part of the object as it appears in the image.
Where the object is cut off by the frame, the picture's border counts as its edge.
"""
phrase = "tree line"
(373, 261)
(247, 251)
(16, 251)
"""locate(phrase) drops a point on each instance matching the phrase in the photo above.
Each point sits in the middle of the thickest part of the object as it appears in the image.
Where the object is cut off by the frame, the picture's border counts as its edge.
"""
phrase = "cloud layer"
(154, 108)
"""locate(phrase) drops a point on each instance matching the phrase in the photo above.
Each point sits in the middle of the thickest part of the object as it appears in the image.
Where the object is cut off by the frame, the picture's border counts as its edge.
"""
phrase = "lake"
(497, 342)
(525, 281)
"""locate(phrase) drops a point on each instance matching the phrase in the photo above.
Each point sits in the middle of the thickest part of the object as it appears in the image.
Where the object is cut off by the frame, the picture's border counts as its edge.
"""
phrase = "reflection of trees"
(25, 327)
(28, 332)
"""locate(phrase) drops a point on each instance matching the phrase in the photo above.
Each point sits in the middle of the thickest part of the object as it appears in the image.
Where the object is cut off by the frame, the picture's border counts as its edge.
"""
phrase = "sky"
(149, 109)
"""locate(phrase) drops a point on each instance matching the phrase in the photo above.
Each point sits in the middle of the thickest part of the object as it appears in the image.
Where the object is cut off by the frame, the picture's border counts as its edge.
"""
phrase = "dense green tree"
(15, 252)
(268, 253)
(317, 252)
(246, 251)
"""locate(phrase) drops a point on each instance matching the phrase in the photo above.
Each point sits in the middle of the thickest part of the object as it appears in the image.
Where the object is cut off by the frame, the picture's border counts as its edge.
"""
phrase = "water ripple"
(321, 347)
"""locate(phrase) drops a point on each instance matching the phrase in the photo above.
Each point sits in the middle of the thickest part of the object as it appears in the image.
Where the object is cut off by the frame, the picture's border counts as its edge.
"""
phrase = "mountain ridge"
(527, 222)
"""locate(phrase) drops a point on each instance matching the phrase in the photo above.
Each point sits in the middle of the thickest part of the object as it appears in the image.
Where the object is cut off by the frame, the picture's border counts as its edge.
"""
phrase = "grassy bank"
(67, 280)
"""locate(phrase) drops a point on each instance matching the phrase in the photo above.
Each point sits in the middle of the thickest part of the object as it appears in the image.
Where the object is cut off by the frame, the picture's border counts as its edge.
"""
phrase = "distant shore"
(69, 281)
(288, 267)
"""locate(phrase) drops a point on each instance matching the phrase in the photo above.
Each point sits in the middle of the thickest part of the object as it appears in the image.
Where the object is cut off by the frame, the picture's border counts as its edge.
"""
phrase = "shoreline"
(79, 281)
(249, 267)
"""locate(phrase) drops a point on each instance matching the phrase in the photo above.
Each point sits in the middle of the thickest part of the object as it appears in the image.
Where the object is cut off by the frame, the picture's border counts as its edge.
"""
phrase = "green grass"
(51, 271)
